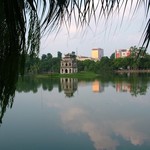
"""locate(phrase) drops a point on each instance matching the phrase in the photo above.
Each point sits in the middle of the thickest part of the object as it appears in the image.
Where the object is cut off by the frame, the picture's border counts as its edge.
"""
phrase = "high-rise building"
(97, 53)
(121, 53)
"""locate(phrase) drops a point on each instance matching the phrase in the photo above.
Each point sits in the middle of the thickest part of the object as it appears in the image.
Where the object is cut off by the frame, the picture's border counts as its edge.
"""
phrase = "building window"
(66, 70)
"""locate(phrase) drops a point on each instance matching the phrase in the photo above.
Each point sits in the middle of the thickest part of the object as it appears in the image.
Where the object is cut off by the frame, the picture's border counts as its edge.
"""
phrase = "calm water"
(109, 113)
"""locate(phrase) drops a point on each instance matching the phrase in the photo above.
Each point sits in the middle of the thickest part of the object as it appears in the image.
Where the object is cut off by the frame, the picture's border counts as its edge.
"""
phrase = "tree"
(22, 24)
(112, 56)
(43, 57)
(32, 64)
(59, 55)
(49, 56)
(105, 64)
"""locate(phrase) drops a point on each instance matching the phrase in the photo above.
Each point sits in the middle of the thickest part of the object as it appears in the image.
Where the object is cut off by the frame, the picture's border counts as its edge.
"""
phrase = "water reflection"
(97, 86)
(111, 113)
(69, 86)
(133, 88)
(105, 133)
(108, 122)
(135, 84)
(4, 103)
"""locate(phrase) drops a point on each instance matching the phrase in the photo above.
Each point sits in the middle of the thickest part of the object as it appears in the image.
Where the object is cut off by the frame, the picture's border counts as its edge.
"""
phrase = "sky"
(109, 35)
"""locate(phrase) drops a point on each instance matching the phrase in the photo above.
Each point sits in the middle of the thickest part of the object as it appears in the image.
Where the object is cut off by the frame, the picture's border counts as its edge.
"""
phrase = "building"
(82, 58)
(68, 64)
(122, 53)
(97, 54)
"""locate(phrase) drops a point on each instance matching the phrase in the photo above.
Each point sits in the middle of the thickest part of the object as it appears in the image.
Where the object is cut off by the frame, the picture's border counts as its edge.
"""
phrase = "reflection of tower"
(69, 85)
(97, 87)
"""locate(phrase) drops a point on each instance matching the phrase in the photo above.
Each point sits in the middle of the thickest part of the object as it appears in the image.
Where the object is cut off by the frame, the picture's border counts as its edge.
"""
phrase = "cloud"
(77, 120)
(101, 129)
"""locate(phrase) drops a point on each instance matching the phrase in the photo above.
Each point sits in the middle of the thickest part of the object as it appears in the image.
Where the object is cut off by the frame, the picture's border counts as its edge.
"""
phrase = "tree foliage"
(46, 64)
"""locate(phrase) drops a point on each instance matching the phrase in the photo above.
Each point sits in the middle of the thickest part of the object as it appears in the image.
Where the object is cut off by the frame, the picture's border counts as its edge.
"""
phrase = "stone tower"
(68, 64)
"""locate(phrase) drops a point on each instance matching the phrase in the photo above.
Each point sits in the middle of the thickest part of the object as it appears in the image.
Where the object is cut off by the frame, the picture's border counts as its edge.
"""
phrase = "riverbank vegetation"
(50, 65)
(79, 75)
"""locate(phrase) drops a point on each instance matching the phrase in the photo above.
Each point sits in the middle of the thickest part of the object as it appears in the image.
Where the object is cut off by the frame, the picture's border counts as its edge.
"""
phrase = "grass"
(80, 75)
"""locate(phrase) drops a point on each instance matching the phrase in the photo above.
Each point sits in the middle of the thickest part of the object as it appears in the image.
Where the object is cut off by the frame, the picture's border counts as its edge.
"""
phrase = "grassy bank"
(87, 75)
(132, 71)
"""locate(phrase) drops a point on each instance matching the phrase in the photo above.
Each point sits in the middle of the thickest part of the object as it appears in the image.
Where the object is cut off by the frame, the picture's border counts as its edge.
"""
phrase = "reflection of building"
(123, 87)
(97, 87)
(69, 64)
(122, 53)
(97, 53)
(69, 85)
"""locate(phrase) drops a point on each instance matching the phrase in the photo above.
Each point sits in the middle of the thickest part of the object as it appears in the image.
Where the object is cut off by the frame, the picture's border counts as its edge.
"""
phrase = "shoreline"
(132, 71)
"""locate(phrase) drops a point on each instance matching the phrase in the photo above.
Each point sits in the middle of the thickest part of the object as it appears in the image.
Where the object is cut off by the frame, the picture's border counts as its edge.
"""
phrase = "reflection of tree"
(6, 95)
(32, 84)
(47, 85)
(136, 82)
(138, 89)
(26, 84)
(138, 85)
(4, 103)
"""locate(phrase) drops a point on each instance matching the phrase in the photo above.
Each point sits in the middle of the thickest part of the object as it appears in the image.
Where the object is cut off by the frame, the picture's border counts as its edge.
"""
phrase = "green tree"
(112, 56)
(80, 65)
(104, 65)
(43, 57)
(59, 55)
(49, 56)
(32, 64)
(49, 64)
(46, 63)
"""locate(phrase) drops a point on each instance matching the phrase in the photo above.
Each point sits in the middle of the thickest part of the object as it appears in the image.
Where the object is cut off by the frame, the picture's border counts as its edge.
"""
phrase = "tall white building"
(97, 53)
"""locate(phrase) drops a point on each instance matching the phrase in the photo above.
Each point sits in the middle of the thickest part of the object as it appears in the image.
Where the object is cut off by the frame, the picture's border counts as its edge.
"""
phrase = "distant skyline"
(109, 35)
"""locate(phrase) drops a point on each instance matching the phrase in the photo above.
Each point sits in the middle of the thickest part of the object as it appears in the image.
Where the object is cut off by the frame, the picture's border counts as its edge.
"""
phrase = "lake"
(107, 113)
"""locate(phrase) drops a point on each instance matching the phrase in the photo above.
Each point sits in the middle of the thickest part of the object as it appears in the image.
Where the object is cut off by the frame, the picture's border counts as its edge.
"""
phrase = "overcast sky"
(111, 35)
